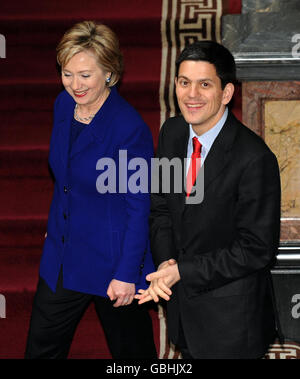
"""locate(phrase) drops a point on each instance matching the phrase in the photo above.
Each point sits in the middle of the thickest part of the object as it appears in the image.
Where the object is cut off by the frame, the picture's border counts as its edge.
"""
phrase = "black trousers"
(182, 344)
(55, 316)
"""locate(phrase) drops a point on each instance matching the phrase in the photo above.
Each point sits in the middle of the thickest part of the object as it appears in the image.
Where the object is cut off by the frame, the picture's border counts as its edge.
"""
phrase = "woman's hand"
(123, 292)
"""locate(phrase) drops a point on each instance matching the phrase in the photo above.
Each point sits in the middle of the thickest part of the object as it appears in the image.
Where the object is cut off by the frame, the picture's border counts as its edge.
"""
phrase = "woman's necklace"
(82, 119)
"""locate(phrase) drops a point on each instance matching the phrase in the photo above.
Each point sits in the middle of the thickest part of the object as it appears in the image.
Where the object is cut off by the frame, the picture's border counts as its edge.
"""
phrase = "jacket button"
(142, 265)
(63, 239)
(65, 215)
(65, 189)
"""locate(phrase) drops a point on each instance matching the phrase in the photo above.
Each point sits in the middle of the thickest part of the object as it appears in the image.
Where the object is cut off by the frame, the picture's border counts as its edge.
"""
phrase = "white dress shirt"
(206, 139)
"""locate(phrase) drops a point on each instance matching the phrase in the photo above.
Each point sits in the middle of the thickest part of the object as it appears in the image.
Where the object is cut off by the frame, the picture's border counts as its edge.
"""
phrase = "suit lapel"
(64, 125)
(181, 146)
(214, 163)
(96, 129)
(219, 154)
(98, 126)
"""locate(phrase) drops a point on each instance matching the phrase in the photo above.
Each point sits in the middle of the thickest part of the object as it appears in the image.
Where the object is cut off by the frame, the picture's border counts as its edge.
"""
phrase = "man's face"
(200, 96)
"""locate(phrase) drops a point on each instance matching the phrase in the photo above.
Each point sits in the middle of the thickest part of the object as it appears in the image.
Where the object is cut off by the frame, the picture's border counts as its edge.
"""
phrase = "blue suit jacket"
(96, 237)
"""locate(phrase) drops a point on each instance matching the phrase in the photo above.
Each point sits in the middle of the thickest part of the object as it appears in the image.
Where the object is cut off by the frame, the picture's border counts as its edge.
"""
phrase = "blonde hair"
(98, 38)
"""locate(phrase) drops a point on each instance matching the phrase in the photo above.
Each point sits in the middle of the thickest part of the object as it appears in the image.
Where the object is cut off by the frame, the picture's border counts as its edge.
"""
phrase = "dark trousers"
(182, 344)
(55, 316)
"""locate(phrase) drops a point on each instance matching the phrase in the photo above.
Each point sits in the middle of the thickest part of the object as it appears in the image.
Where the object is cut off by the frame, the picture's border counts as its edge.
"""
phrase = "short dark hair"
(213, 53)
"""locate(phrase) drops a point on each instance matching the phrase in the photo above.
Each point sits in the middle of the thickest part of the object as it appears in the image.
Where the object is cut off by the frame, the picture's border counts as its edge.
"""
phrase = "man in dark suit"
(214, 256)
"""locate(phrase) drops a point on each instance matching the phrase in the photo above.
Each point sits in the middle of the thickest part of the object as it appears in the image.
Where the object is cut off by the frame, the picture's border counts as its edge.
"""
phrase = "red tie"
(194, 166)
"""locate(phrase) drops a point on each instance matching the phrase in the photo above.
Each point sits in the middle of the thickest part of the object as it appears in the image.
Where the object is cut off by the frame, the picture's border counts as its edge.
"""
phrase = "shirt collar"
(208, 138)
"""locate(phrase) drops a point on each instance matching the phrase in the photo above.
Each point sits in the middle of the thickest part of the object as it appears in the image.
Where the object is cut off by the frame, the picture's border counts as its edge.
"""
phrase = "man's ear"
(227, 93)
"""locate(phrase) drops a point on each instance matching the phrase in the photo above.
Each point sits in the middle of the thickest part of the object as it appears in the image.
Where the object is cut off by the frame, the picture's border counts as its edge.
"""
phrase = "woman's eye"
(86, 76)
(66, 75)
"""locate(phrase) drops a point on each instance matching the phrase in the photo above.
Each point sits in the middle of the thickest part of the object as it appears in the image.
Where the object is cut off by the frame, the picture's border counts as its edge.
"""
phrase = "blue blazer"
(96, 237)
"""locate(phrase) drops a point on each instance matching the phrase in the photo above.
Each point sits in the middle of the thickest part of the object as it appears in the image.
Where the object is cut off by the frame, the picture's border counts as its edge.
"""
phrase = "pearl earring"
(108, 80)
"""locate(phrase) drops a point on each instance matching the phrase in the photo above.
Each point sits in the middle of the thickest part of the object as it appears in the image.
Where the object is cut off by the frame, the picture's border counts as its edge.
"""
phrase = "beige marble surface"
(255, 95)
(282, 134)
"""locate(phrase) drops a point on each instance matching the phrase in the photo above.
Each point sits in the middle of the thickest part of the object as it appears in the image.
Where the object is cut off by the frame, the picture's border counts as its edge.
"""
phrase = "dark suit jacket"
(96, 237)
(224, 245)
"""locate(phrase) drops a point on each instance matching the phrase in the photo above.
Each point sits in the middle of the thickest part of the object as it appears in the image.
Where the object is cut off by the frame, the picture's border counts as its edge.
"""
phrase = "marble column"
(265, 41)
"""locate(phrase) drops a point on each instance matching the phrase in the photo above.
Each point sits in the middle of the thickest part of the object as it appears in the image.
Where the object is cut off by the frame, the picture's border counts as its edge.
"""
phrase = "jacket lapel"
(98, 126)
(64, 125)
(181, 146)
(219, 154)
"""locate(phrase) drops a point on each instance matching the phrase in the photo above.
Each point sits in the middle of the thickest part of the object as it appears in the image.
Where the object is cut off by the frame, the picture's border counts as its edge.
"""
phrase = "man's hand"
(121, 291)
(162, 280)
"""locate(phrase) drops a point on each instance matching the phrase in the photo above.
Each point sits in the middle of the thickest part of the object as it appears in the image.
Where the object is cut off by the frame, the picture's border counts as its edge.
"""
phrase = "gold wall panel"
(282, 134)
(272, 110)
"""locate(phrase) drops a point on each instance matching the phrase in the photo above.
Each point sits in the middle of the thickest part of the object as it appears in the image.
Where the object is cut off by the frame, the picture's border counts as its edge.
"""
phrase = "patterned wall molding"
(183, 22)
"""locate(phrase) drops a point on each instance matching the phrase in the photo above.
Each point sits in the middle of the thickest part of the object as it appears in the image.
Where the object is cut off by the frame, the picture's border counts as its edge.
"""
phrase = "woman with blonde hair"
(97, 246)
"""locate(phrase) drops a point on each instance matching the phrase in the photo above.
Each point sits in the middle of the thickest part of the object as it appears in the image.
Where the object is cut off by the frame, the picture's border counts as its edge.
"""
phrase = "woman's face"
(84, 79)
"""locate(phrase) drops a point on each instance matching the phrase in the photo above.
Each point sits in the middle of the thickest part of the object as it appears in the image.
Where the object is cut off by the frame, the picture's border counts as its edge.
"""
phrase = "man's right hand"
(158, 287)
